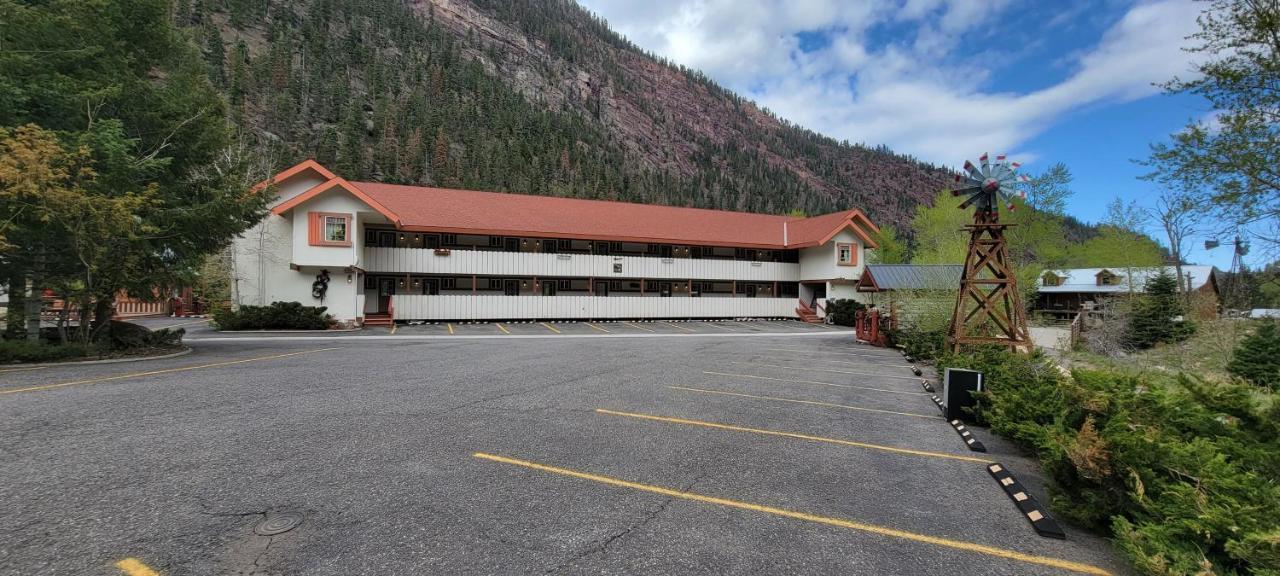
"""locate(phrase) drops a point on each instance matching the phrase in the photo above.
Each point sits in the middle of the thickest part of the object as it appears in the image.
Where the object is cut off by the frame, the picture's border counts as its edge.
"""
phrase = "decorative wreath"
(321, 286)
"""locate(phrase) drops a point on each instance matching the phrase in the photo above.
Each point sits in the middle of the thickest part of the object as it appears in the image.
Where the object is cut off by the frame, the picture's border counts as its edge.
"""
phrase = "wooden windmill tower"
(988, 307)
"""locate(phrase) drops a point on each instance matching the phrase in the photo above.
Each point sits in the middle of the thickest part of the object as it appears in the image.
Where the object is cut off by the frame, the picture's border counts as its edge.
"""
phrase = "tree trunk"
(102, 310)
(33, 302)
(15, 325)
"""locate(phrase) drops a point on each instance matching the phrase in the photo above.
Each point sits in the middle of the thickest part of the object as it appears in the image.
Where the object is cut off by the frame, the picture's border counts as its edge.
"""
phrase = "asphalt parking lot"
(794, 450)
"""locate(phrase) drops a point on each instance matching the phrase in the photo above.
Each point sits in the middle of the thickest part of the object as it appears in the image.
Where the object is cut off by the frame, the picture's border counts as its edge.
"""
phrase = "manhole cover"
(278, 523)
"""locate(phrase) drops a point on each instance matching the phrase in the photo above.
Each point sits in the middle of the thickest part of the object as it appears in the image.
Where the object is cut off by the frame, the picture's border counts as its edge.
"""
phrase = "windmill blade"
(972, 199)
(973, 171)
(966, 190)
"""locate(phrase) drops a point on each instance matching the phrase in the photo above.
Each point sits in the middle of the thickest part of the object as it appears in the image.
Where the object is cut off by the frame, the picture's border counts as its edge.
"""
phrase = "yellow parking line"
(502, 328)
(201, 321)
(829, 351)
(28, 368)
(596, 327)
(638, 326)
(837, 522)
(165, 371)
(825, 370)
(550, 327)
(810, 402)
(134, 567)
(793, 435)
(686, 329)
(816, 382)
(450, 327)
(393, 328)
(862, 363)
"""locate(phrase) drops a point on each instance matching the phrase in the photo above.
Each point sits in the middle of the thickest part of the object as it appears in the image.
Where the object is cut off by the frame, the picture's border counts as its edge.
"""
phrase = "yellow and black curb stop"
(916, 370)
(969, 440)
(924, 383)
(1040, 519)
(938, 401)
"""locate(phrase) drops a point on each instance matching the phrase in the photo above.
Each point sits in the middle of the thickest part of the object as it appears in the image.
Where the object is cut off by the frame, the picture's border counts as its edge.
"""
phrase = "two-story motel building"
(442, 254)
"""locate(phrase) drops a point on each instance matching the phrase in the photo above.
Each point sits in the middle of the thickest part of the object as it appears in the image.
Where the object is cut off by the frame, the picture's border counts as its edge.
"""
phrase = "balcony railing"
(468, 262)
(418, 307)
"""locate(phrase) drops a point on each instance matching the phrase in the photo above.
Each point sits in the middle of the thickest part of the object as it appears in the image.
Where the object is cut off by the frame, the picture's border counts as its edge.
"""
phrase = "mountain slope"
(527, 96)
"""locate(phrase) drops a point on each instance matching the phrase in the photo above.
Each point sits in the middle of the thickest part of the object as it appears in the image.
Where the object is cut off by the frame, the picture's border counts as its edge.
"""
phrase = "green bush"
(1153, 320)
(919, 343)
(843, 311)
(1257, 358)
(277, 316)
(1182, 472)
(35, 351)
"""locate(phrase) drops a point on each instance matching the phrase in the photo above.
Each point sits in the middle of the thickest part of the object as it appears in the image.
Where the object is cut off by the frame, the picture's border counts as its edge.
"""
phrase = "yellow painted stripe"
(393, 328)
(502, 328)
(832, 370)
(793, 435)
(850, 524)
(810, 402)
(155, 372)
(450, 328)
(816, 382)
(638, 326)
(134, 567)
(550, 327)
(28, 368)
(686, 329)
(858, 363)
(830, 350)
(596, 327)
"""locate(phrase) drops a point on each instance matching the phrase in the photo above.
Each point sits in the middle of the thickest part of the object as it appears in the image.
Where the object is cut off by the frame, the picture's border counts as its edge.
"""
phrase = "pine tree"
(216, 55)
(1257, 358)
(440, 158)
(1157, 314)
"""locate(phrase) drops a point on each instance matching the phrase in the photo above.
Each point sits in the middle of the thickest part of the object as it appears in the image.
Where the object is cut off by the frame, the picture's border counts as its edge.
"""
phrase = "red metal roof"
(472, 212)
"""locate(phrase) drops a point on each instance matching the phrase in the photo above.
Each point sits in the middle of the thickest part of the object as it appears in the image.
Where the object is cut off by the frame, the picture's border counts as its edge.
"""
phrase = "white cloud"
(914, 93)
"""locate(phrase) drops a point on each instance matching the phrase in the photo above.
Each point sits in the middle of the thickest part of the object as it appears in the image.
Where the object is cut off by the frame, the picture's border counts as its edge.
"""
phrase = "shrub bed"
(843, 311)
(277, 316)
(1180, 471)
(124, 339)
(35, 351)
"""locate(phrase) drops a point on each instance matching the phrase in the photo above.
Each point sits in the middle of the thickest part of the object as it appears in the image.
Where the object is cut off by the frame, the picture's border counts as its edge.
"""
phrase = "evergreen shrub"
(277, 316)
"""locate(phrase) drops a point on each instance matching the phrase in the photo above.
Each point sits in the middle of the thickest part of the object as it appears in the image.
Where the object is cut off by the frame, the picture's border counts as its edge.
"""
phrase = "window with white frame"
(335, 228)
(845, 255)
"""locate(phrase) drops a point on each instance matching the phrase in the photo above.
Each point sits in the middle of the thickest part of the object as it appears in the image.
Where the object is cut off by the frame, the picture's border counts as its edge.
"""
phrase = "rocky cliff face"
(371, 82)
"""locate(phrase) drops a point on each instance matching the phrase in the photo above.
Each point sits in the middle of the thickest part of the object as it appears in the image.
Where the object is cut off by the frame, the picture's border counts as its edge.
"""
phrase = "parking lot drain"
(1040, 520)
(278, 523)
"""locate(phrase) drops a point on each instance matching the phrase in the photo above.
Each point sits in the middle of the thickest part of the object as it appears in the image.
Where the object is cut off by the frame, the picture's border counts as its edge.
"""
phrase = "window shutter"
(315, 228)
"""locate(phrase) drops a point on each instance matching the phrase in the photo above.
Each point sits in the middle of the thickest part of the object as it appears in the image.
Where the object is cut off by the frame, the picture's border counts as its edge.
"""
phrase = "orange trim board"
(294, 170)
(328, 185)
(807, 517)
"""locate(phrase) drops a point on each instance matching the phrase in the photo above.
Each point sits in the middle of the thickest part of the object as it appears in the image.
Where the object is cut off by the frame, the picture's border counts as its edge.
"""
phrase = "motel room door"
(386, 287)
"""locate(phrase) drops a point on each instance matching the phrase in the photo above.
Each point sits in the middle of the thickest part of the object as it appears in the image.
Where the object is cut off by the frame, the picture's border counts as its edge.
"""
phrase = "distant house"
(909, 291)
(1065, 292)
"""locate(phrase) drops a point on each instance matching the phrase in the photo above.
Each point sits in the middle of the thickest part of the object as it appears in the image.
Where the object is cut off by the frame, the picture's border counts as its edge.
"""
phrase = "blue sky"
(946, 80)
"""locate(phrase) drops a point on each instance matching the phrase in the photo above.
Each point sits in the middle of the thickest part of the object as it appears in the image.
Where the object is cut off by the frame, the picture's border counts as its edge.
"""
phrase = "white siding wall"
(466, 262)
(819, 262)
(337, 201)
(417, 307)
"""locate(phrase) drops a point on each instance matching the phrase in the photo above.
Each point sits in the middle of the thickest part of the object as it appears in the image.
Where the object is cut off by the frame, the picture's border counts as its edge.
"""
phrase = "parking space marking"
(862, 362)
(640, 327)
(450, 326)
(795, 435)
(810, 402)
(164, 371)
(502, 328)
(27, 369)
(135, 567)
(674, 325)
(827, 351)
(596, 327)
(846, 361)
(912, 378)
(850, 524)
(550, 327)
(730, 374)
(187, 323)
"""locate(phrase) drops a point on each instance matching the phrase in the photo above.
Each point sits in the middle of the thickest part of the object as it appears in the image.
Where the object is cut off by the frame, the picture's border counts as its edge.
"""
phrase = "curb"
(288, 331)
(973, 443)
(183, 352)
(1039, 518)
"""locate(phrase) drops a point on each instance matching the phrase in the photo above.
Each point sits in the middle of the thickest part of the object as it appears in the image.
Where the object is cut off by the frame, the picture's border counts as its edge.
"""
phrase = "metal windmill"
(988, 306)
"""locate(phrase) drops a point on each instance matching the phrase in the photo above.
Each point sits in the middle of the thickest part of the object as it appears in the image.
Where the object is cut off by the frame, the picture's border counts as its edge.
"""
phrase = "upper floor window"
(329, 229)
(846, 255)
(1051, 279)
(1106, 278)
